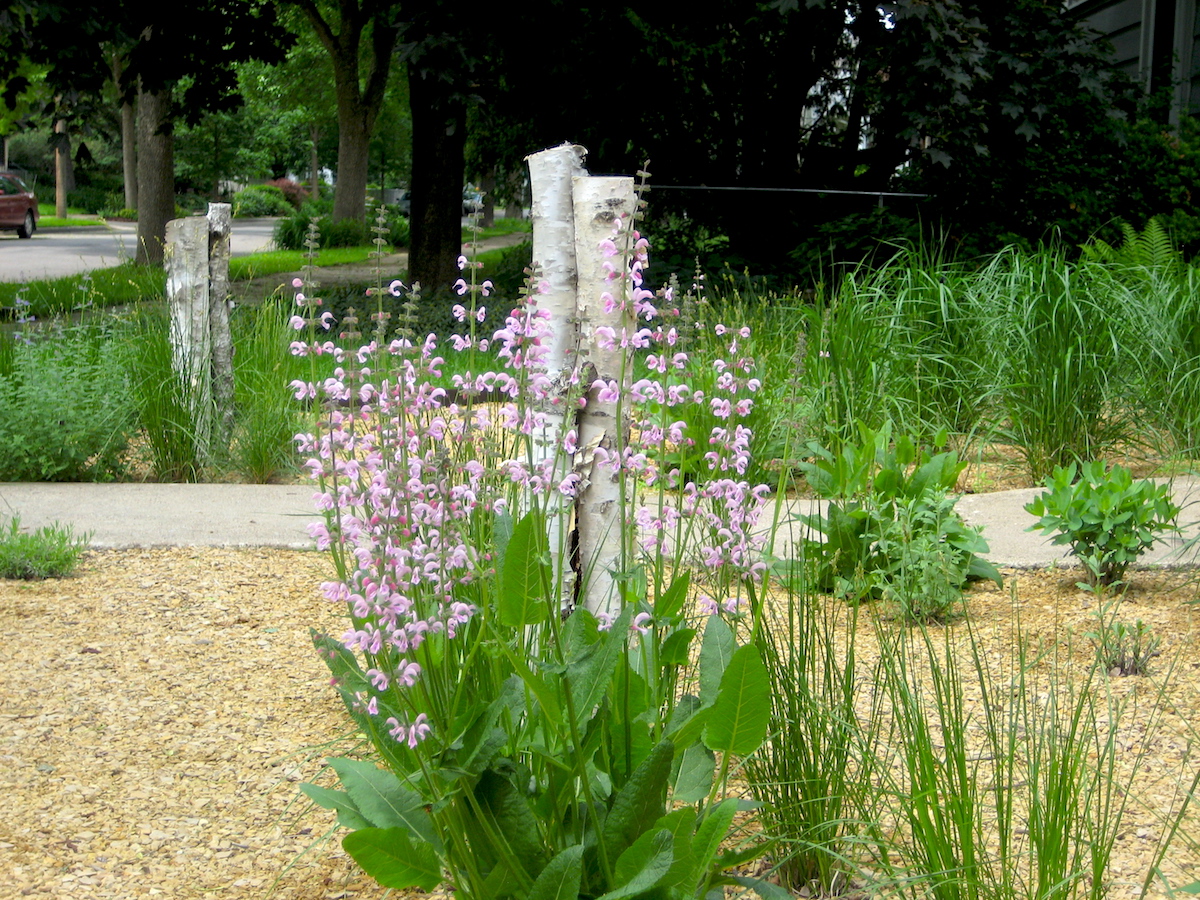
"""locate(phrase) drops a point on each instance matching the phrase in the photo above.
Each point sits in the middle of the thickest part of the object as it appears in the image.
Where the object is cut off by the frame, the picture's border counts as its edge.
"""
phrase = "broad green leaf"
(526, 575)
(676, 650)
(391, 857)
(640, 800)
(381, 799)
(591, 676)
(765, 889)
(710, 833)
(339, 801)
(668, 604)
(737, 723)
(715, 653)
(681, 823)
(511, 818)
(695, 775)
(642, 866)
(560, 879)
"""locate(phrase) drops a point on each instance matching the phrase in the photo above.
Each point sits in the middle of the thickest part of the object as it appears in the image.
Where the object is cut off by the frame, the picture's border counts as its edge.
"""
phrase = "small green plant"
(52, 551)
(1107, 519)
(884, 495)
(1122, 649)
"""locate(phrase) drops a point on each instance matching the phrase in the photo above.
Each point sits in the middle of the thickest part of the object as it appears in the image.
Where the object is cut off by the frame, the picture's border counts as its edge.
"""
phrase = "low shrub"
(891, 530)
(291, 232)
(65, 409)
(261, 200)
(1107, 519)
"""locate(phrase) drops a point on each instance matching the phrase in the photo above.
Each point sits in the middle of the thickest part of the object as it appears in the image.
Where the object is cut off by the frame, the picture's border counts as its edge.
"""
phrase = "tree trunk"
(354, 144)
(62, 163)
(600, 509)
(156, 174)
(551, 173)
(219, 227)
(438, 159)
(128, 134)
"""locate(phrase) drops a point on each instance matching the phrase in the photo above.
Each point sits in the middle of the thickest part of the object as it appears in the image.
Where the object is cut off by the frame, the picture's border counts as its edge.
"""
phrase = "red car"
(18, 206)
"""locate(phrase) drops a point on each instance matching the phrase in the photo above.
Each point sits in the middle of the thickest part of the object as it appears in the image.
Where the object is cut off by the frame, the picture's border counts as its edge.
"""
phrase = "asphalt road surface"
(55, 252)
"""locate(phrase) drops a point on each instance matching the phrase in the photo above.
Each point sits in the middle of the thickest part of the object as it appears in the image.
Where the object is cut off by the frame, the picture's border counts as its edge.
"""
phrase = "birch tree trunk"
(219, 229)
(551, 173)
(191, 340)
(598, 203)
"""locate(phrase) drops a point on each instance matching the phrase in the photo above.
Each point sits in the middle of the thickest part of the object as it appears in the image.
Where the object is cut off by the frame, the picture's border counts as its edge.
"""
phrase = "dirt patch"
(158, 710)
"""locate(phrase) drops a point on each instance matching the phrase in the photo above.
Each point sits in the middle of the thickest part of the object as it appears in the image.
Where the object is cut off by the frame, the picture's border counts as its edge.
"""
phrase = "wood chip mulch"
(159, 709)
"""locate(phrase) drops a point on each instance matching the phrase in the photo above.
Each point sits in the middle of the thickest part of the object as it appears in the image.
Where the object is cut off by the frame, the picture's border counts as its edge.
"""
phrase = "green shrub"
(52, 551)
(888, 509)
(291, 232)
(93, 199)
(508, 273)
(261, 200)
(65, 409)
(1108, 520)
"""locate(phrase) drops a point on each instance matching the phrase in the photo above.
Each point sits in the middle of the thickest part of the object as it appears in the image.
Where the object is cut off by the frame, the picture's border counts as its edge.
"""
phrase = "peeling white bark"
(186, 258)
(220, 224)
(550, 175)
(598, 204)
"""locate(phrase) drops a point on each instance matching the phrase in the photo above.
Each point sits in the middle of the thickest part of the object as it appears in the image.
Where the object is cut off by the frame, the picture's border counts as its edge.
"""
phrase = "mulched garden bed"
(158, 710)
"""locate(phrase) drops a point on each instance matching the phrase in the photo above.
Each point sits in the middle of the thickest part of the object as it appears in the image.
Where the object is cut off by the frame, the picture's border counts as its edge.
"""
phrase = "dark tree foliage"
(161, 47)
(1006, 113)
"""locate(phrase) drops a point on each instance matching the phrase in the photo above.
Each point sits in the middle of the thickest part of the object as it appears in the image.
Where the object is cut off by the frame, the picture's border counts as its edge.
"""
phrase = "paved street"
(54, 252)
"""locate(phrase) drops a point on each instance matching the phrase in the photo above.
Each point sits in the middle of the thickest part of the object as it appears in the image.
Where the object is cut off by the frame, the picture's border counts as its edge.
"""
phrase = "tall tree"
(360, 37)
(75, 39)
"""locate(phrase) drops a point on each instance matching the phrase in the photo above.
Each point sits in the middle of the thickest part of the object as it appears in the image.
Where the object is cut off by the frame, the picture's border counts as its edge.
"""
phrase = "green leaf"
(709, 835)
(670, 602)
(676, 650)
(765, 889)
(561, 877)
(695, 775)
(526, 575)
(715, 653)
(643, 865)
(642, 799)
(381, 799)
(390, 857)
(591, 676)
(738, 721)
(339, 801)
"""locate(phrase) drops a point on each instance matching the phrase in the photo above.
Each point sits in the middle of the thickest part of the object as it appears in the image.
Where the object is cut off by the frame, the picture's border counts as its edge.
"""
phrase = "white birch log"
(220, 225)
(186, 259)
(550, 175)
(599, 203)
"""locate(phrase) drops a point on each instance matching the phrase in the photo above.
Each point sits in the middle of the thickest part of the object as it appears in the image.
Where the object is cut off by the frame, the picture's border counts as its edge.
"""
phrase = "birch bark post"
(188, 297)
(598, 204)
(220, 224)
(550, 175)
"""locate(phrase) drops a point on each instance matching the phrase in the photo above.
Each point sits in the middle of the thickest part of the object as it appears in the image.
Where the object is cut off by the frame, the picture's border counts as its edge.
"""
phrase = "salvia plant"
(528, 740)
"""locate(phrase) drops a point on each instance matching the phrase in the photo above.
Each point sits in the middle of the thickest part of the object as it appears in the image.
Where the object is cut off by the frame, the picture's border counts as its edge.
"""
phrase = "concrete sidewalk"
(237, 515)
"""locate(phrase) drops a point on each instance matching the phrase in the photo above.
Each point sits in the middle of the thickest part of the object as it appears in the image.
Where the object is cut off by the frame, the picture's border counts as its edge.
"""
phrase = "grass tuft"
(52, 551)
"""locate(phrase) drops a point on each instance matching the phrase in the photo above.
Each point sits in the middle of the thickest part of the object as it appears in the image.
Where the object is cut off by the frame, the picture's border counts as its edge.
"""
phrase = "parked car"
(18, 206)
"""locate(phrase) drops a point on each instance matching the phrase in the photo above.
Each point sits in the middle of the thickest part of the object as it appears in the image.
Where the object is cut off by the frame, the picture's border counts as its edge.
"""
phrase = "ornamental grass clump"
(546, 717)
